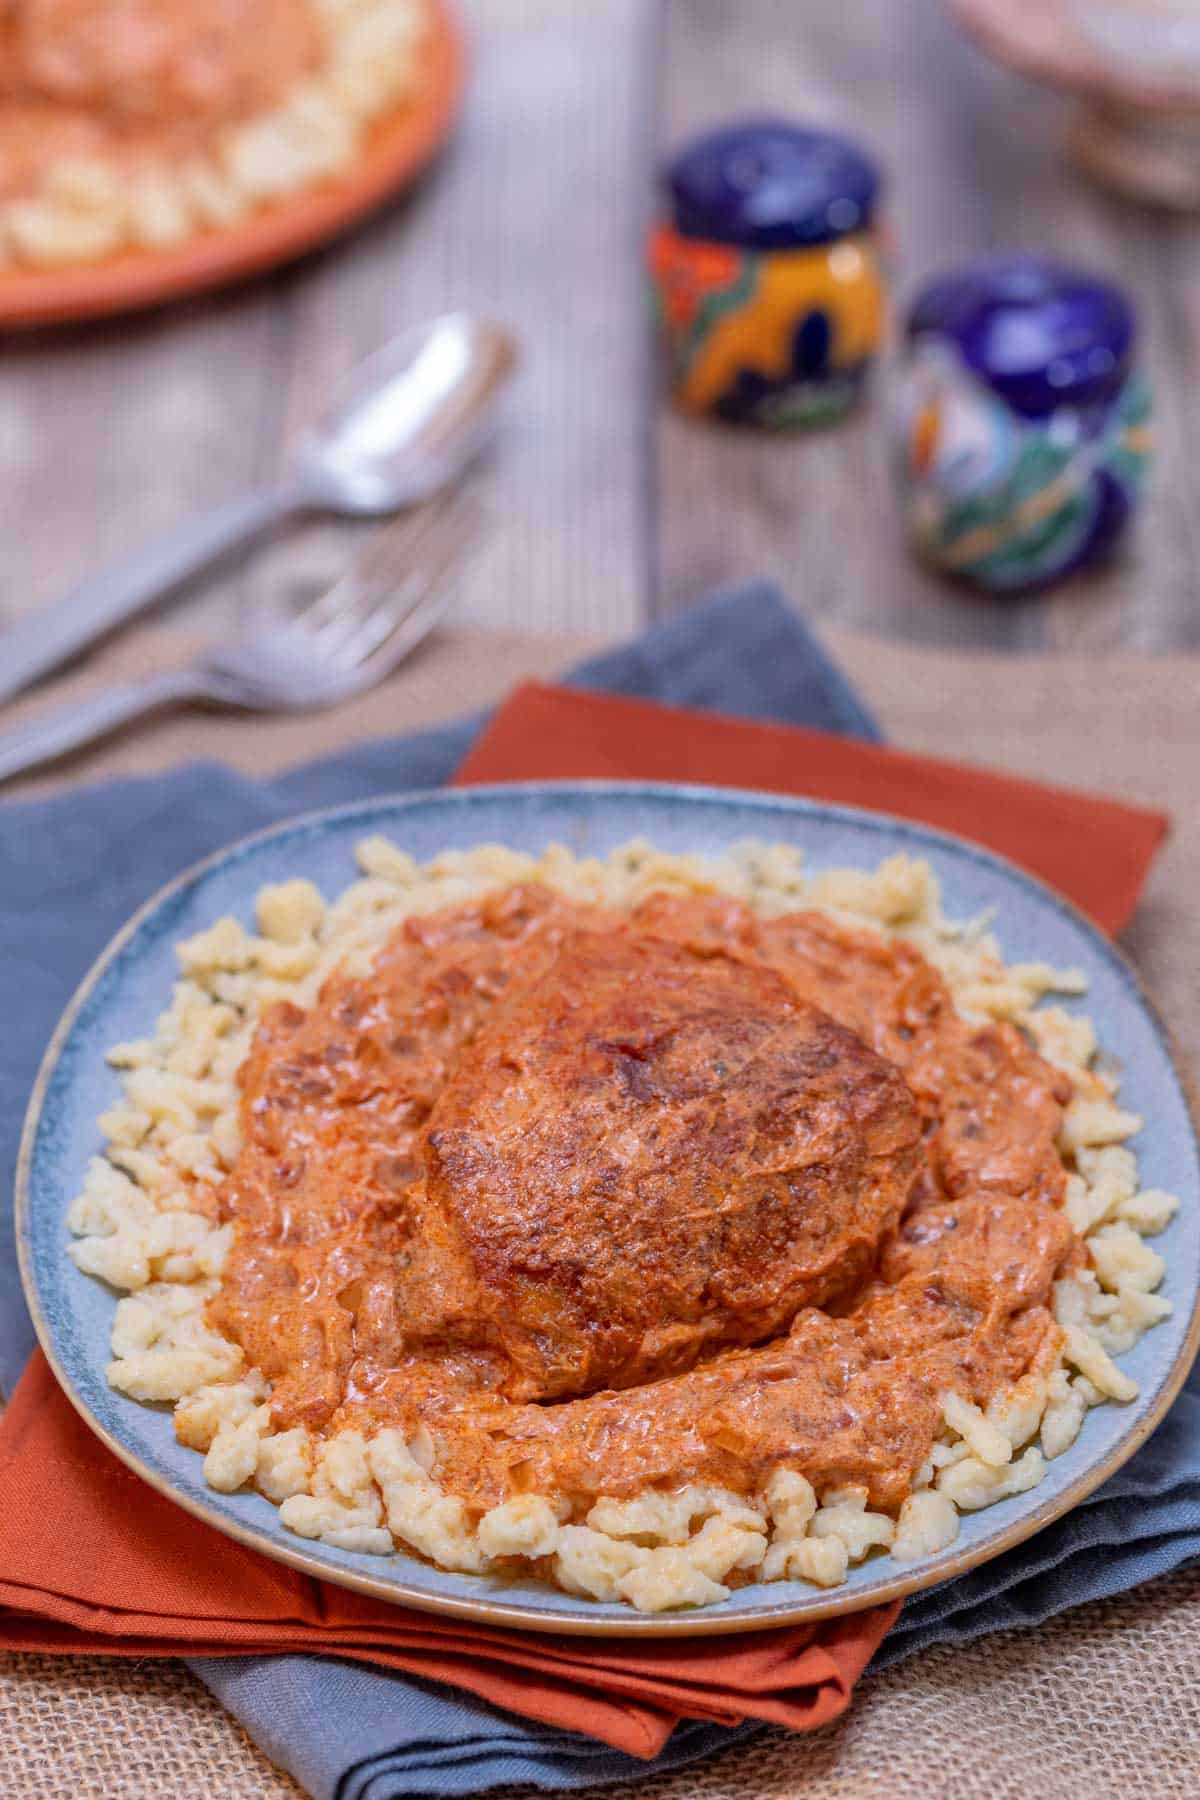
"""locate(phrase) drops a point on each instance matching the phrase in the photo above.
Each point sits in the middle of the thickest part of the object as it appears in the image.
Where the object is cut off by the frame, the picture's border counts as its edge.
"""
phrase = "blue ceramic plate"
(130, 984)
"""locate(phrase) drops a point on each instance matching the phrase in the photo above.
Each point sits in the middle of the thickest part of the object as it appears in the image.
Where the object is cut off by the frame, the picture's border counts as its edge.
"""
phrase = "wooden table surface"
(610, 510)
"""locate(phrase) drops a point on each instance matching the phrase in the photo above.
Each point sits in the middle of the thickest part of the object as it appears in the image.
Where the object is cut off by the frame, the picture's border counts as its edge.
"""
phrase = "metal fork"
(339, 645)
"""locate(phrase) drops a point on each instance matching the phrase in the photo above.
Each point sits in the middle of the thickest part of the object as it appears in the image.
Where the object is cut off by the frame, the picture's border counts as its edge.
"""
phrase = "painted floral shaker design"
(1022, 432)
(767, 274)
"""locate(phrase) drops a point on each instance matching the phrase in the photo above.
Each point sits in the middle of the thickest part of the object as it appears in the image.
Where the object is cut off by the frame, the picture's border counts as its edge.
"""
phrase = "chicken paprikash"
(659, 1245)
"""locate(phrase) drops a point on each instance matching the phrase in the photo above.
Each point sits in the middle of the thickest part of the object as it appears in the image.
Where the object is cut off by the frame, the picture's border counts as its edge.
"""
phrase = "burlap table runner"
(1099, 1703)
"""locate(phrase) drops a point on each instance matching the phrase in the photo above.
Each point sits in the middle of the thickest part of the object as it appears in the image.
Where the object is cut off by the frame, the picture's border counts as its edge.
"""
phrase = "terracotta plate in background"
(397, 147)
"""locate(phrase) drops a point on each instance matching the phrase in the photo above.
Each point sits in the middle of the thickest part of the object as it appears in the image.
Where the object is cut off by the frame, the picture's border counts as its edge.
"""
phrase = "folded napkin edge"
(868, 751)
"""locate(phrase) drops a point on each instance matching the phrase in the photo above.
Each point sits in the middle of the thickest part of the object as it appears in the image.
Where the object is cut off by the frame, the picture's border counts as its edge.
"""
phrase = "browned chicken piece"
(647, 1153)
(328, 1188)
(993, 1105)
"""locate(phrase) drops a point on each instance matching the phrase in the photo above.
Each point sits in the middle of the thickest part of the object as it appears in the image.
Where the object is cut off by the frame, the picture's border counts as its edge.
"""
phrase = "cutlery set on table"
(398, 444)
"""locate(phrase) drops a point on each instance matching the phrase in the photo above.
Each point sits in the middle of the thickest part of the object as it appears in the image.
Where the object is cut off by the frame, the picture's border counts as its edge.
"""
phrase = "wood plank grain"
(531, 217)
(109, 436)
(973, 164)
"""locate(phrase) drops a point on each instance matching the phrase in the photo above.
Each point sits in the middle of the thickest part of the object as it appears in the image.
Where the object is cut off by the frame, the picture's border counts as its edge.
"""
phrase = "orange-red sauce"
(137, 78)
(605, 1203)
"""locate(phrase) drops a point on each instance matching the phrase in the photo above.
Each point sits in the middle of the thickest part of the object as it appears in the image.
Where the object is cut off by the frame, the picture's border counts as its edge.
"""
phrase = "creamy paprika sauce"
(607, 1202)
(133, 80)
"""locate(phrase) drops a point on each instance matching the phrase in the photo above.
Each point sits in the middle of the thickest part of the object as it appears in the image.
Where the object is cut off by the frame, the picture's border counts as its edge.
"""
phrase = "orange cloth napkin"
(92, 1560)
(1096, 851)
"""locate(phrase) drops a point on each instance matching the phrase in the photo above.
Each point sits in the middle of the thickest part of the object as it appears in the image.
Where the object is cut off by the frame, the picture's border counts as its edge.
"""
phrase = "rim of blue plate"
(485, 1609)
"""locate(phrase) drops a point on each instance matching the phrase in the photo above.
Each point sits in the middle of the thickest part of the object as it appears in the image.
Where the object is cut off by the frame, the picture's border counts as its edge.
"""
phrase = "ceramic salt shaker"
(767, 274)
(1023, 422)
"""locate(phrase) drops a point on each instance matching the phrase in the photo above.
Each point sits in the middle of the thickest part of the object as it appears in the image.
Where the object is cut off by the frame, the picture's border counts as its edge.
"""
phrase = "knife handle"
(39, 643)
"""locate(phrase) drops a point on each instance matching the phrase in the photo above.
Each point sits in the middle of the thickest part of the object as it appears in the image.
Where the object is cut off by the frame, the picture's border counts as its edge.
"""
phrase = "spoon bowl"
(409, 419)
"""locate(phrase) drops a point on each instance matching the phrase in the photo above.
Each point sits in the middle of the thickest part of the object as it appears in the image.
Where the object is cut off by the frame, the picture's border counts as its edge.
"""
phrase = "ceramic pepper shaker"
(767, 274)
(1023, 425)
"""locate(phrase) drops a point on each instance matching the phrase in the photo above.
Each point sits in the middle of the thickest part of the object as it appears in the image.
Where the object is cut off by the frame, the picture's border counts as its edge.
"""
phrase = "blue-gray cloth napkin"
(72, 869)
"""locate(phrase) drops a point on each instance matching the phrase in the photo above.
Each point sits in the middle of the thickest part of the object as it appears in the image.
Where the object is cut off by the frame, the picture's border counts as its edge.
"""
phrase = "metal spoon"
(407, 423)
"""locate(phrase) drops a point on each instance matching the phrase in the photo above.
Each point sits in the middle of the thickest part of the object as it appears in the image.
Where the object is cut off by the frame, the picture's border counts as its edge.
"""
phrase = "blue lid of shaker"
(768, 185)
(1041, 334)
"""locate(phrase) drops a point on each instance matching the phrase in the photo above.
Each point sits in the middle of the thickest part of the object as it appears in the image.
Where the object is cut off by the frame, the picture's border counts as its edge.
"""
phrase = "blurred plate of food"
(157, 148)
